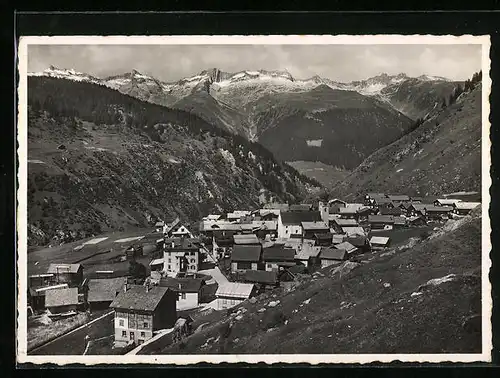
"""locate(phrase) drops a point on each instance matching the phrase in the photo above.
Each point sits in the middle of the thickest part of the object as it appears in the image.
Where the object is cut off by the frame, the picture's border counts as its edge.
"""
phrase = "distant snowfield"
(100, 149)
(129, 239)
(314, 142)
(95, 241)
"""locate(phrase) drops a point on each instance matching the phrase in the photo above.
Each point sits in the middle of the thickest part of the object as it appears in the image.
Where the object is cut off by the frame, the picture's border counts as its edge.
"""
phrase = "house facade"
(71, 274)
(246, 257)
(188, 291)
(181, 255)
(101, 292)
(332, 256)
(230, 294)
(290, 222)
(381, 222)
(141, 310)
(278, 257)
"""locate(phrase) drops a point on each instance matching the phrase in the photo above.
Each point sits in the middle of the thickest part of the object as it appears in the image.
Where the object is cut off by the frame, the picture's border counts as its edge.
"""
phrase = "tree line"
(469, 85)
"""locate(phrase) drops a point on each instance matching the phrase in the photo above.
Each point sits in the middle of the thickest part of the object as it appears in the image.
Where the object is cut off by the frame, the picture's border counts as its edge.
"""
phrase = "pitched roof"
(260, 276)
(213, 216)
(390, 211)
(61, 297)
(63, 268)
(246, 253)
(104, 289)
(380, 240)
(446, 201)
(336, 200)
(353, 230)
(312, 226)
(382, 200)
(305, 251)
(159, 224)
(348, 247)
(329, 253)
(297, 217)
(276, 206)
(246, 239)
(300, 207)
(234, 290)
(265, 225)
(467, 205)
(438, 209)
(278, 253)
(182, 243)
(398, 197)
(156, 262)
(323, 235)
(337, 238)
(420, 206)
(389, 219)
(357, 241)
(371, 195)
(137, 298)
(345, 222)
(351, 208)
(182, 285)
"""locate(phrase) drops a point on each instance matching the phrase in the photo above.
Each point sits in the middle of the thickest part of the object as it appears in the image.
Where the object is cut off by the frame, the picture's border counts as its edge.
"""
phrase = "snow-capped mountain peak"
(63, 73)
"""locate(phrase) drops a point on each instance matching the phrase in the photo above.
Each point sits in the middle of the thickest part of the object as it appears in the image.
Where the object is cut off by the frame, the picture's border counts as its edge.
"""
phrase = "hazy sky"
(337, 62)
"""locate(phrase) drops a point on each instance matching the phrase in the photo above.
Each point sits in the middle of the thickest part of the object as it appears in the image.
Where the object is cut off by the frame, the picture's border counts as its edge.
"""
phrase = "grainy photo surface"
(213, 199)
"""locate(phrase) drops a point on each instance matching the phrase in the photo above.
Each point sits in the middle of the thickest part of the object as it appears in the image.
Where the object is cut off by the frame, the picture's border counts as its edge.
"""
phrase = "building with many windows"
(181, 255)
(141, 310)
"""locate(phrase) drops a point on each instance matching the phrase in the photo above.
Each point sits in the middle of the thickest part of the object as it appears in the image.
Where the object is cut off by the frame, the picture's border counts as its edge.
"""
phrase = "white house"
(290, 222)
(230, 294)
(187, 289)
(181, 255)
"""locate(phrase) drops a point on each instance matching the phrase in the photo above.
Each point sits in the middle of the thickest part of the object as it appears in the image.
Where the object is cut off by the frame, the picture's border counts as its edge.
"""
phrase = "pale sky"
(342, 63)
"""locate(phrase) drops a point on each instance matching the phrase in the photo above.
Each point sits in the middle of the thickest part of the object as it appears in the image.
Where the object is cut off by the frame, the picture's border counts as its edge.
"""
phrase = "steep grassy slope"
(100, 160)
(385, 305)
(443, 155)
(325, 174)
(214, 112)
(416, 98)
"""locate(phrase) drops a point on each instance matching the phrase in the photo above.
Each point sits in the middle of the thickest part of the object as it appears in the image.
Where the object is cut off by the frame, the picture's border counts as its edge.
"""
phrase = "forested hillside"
(101, 160)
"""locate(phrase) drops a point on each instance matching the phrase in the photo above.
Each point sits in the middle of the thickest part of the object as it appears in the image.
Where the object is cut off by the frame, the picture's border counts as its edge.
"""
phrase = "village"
(176, 271)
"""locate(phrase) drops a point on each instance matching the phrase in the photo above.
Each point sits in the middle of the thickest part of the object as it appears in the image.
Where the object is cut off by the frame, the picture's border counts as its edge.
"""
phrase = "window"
(244, 265)
(132, 335)
(143, 334)
(193, 261)
(140, 341)
(145, 325)
(169, 267)
(124, 333)
(183, 295)
(269, 266)
(169, 260)
(121, 323)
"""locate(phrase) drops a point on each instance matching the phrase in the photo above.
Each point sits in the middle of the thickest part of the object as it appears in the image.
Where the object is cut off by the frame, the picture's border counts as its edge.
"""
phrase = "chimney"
(173, 244)
(148, 287)
(125, 287)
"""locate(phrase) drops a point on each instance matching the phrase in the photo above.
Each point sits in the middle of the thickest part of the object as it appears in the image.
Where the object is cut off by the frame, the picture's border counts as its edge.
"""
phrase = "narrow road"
(74, 342)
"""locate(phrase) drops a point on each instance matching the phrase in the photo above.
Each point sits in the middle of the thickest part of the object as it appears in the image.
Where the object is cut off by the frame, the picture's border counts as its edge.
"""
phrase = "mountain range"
(105, 154)
(296, 119)
(100, 160)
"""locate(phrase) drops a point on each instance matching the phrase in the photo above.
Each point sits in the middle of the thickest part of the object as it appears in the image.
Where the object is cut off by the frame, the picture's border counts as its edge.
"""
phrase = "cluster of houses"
(259, 249)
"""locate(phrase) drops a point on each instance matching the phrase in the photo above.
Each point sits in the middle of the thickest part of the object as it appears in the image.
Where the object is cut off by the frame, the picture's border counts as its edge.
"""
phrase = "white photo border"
(21, 216)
